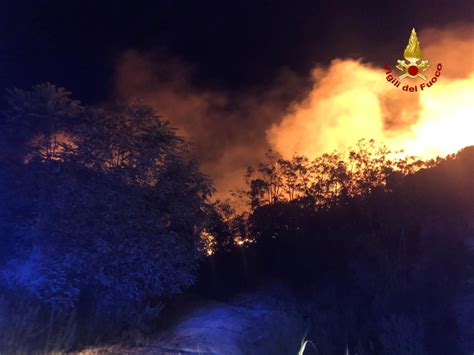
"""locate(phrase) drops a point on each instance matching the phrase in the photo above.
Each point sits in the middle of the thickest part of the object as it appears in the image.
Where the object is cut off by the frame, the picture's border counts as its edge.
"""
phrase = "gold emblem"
(413, 55)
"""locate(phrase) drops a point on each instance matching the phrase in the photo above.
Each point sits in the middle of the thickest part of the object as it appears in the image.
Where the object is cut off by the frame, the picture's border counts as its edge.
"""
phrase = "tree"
(383, 231)
(115, 213)
(36, 123)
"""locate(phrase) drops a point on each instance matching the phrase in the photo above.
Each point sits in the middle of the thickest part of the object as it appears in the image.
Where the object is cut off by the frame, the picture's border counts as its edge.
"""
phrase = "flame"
(351, 100)
(242, 241)
(413, 51)
(209, 243)
(447, 120)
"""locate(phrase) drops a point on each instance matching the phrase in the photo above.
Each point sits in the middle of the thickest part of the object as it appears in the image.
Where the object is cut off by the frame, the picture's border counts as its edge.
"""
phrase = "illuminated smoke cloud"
(332, 109)
(227, 129)
(350, 100)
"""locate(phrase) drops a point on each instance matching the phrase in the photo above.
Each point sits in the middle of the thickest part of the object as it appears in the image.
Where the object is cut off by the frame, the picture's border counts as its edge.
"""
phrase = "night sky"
(230, 44)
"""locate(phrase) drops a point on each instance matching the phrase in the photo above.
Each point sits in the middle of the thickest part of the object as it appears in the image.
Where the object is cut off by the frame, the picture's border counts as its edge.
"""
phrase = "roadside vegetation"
(105, 218)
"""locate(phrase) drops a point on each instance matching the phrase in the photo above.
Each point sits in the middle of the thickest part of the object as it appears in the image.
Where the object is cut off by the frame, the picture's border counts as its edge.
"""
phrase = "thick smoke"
(226, 128)
(350, 100)
(332, 109)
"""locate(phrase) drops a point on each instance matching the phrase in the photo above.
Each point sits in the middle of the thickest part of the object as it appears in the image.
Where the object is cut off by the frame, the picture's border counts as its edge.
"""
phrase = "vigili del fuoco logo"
(412, 67)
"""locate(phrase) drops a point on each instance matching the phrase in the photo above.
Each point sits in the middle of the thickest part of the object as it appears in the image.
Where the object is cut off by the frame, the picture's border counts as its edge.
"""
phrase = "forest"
(108, 225)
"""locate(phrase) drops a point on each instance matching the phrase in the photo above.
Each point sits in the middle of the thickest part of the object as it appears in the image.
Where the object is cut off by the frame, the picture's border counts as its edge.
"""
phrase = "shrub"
(101, 218)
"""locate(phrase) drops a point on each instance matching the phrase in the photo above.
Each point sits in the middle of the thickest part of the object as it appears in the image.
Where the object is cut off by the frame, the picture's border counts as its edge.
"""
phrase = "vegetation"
(101, 216)
(104, 216)
(379, 247)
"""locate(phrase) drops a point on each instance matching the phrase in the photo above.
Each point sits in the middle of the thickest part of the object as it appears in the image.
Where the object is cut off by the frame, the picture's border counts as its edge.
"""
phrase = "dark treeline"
(100, 217)
(104, 218)
(381, 247)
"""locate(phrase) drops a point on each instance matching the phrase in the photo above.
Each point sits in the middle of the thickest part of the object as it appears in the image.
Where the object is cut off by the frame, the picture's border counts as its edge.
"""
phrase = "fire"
(352, 100)
(447, 120)
(209, 242)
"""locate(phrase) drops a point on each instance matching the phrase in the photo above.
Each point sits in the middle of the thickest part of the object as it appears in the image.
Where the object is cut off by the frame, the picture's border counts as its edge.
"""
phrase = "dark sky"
(231, 44)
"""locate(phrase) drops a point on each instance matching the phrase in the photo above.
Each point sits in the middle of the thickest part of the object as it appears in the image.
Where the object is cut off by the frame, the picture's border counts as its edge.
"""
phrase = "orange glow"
(352, 100)
(447, 121)
(240, 241)
(209, 242)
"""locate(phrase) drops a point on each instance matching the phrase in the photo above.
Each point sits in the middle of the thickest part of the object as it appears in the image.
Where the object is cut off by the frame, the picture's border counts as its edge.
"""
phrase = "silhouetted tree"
(99, 204)
(388, 234)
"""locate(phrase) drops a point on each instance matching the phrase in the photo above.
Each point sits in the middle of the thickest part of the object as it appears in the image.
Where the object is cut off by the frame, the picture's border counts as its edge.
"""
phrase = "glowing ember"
(209, 242)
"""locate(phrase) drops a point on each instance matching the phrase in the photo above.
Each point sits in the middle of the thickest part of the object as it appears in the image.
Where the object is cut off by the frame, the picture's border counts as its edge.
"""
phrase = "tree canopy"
(103, 202)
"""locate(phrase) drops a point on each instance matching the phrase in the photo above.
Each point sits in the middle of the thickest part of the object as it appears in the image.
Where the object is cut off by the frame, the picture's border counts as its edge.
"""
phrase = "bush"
(101, 219)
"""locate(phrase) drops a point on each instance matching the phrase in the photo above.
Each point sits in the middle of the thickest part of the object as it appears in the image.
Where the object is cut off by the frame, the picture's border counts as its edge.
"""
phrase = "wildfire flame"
(351, 100)
(447, 120)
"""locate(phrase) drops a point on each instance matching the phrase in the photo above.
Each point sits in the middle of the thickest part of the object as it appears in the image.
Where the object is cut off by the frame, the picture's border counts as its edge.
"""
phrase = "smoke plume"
(350, 99)
(226, 128)
(331, 109)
